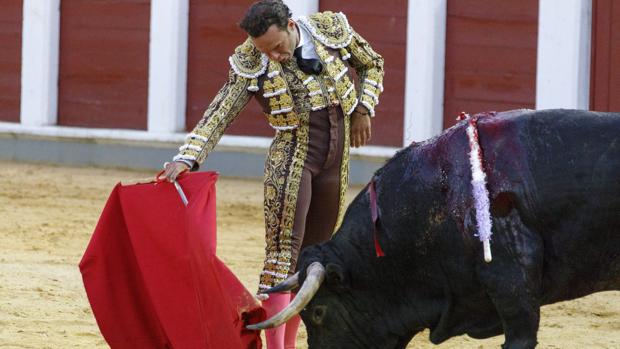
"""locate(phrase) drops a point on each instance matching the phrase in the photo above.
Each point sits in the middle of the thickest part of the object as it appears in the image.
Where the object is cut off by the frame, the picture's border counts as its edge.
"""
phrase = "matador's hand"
(360, 127)
(174, 169)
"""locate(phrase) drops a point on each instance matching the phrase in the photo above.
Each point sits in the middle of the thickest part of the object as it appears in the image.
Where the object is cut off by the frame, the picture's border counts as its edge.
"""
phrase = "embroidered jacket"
(252, 73)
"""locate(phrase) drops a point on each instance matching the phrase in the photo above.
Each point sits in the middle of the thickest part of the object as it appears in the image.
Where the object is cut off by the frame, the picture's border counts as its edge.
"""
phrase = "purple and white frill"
(479, 188)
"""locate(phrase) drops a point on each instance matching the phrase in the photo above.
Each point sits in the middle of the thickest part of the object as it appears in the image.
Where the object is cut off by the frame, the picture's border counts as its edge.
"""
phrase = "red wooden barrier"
(10, 59)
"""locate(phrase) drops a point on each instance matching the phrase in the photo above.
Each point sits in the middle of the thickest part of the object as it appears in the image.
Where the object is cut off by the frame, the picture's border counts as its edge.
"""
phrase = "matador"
(312, 107)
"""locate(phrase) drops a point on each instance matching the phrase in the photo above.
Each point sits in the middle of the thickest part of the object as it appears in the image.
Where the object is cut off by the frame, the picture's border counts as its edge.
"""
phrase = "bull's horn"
(315, 276)
(286, 285)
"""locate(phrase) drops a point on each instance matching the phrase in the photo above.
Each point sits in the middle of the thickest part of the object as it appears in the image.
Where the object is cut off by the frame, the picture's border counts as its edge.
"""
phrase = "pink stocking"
(290, 335)
(275, 303)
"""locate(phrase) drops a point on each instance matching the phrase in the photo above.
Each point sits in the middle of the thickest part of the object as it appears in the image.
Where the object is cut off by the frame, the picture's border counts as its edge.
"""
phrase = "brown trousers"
(319, 191)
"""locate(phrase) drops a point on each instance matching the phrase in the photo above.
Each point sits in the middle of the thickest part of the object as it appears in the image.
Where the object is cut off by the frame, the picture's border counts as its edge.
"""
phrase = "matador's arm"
(369, 67)
(224, 108)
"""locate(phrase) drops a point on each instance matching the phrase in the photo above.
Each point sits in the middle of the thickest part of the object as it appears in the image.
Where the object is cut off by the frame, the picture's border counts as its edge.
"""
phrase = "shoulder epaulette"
(331, 29)
(248, 61)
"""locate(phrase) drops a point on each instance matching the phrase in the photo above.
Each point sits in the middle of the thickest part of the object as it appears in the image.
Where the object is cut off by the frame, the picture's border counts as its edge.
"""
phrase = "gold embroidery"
(314, 86)
(295, 80)
(247, 61)
(314, 91)
(331, 29)
(280, 102)
(331, 91)
(369, 67)
(338, 72)
(336, 67)
(283, 121)
(283, 170)
(344, 173)
(275, 84)
(253, 85)
(282, 116)
(368, 99)
(317, 101)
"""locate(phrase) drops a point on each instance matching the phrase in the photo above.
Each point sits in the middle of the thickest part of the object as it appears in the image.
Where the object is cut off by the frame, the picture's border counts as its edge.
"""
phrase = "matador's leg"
(325, 203)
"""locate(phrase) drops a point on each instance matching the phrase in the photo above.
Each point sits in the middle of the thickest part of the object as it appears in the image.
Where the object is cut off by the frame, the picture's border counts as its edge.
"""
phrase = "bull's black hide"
(554, 185)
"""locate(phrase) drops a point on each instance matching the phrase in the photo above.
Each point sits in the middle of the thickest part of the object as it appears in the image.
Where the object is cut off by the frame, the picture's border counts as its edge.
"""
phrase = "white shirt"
(305, 40)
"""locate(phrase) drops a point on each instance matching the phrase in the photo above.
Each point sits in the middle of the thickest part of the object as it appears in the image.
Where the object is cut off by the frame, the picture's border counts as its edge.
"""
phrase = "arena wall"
(101, 72)
(10, 59)
(104, 58)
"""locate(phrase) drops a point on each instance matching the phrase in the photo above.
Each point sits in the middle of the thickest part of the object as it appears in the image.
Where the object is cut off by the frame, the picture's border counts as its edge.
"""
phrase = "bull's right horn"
(286, 285)
(315, 276)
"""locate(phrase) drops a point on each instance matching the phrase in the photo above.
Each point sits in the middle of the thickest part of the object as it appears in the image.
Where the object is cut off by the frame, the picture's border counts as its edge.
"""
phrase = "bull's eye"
(318, 313)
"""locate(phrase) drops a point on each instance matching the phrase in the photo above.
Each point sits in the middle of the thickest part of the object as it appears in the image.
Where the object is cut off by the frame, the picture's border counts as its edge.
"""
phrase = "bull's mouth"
(315, 274)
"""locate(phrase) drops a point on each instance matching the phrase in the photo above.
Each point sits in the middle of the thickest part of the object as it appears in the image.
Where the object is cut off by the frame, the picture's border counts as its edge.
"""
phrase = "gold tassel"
(253, 85)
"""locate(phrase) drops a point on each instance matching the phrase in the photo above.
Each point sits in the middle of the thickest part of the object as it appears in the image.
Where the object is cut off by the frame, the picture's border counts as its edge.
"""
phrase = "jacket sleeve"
(224, 108)
(369, 67)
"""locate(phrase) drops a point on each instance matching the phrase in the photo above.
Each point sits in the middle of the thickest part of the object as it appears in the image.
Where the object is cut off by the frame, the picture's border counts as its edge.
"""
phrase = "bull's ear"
(335, 274)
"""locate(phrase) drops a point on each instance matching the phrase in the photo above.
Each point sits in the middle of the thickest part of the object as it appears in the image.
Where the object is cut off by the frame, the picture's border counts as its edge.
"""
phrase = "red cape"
(151, 273)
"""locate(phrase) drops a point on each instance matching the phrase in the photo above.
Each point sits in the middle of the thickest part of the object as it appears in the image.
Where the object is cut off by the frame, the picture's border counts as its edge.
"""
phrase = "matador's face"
(278, 44)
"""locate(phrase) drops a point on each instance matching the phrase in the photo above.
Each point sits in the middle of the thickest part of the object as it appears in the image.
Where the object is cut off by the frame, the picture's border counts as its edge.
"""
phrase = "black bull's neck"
(552, 177)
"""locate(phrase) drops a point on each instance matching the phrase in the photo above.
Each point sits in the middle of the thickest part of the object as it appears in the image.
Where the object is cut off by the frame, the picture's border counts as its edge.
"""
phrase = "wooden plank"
(106, 14)
(99, 114)
(600, 68)
(491, 33)
(108, 89)
(490, 56)
(103, 73)
(491, 87)
(352, 8)
(9, 109)
(506, 11)
(605, 75)
(474, 58)
(614, 76)
(386, 29)
(10, 59)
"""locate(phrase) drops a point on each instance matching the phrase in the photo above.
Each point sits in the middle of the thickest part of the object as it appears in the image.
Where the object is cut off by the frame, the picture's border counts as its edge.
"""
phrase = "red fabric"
(152, 277)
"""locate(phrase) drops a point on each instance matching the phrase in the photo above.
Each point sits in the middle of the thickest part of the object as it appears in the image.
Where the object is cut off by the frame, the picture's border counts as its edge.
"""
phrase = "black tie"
(307, 65)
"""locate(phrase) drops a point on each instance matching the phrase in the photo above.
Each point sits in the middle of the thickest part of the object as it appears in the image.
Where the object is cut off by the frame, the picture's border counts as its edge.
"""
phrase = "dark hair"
(263, 14)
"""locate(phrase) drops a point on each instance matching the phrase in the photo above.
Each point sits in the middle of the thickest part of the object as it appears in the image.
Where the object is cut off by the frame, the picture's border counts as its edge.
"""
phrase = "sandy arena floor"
(47, 215)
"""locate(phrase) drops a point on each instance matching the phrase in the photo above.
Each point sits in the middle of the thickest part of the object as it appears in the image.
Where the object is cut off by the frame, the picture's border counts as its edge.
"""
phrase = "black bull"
(554, 187)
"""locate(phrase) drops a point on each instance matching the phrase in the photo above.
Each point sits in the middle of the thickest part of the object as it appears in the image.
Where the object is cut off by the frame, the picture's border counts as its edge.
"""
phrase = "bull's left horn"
(315, 276)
